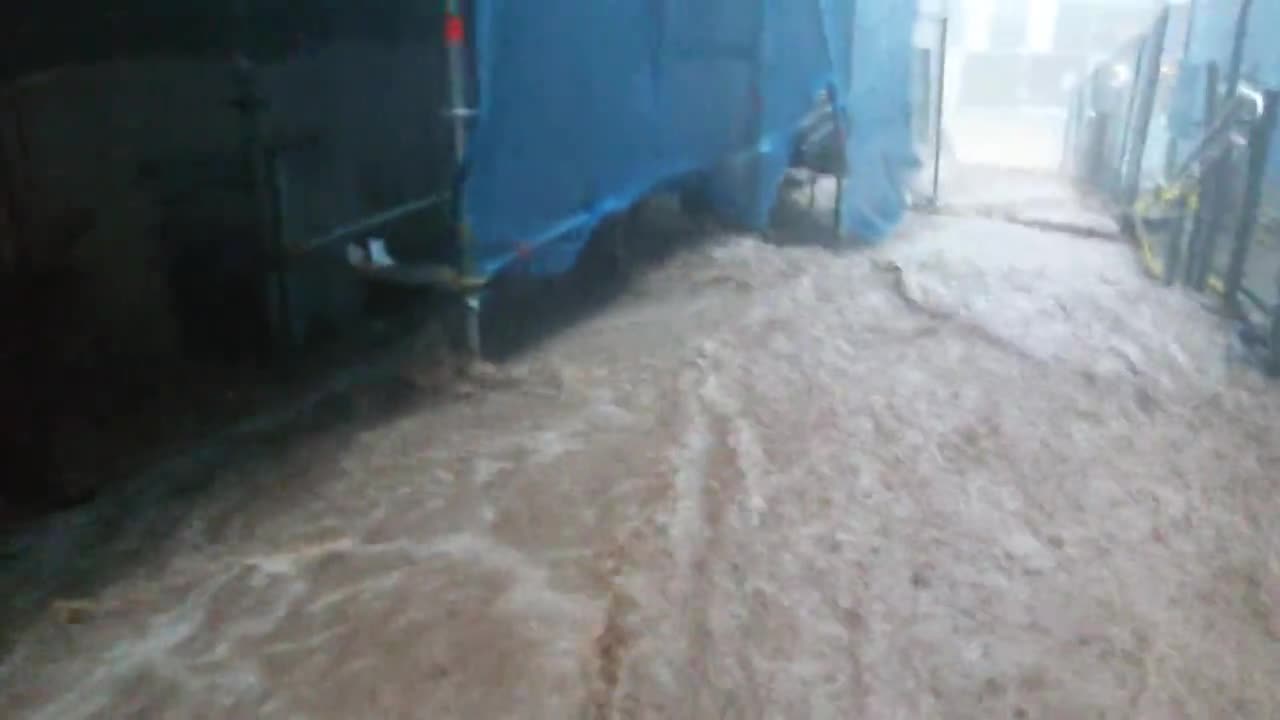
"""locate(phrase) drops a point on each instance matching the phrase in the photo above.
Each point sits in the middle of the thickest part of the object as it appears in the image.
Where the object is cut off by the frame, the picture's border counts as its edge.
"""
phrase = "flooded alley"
(983, 471)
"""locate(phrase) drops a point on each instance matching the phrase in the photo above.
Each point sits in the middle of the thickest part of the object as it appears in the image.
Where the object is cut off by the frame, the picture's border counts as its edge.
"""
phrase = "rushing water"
(981, 472)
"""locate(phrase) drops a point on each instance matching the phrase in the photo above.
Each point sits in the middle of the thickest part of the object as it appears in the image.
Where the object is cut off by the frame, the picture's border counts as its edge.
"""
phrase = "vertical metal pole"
(1069, 162)
(1259, 152)
(455, 35)
(455, 39)
(1237, 48)
(1213, 83)
(1176, 251)
(938, 114)
(1273, 361)
(1099, 139)
(757, 122)
(1170, 157)
(1066, 134)
(1171, 152)
(1192, 17)
(261, 171)
(842, 129)
(275, 203)
(1146, 105)
(838, 214)
(1131, 107)
(1204, 232)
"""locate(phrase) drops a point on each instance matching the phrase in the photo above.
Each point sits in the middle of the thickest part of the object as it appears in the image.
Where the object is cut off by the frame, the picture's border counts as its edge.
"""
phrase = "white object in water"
(371, 253)
(378, 253)
(356, 255)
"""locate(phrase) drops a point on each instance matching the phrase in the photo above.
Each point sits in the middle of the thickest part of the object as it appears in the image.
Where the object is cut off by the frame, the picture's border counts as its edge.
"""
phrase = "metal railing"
(1109, 118)
(1197, 221)
(929, 98)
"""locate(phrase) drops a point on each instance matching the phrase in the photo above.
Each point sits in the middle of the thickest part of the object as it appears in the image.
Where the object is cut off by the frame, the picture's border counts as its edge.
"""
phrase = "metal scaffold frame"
(1209, 201)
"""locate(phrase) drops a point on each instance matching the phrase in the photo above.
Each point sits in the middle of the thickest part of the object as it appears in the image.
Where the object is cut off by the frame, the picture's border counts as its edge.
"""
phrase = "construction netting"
(583, 108)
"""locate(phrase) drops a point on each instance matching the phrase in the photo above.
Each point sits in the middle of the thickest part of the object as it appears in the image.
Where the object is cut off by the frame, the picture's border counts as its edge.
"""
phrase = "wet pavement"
(983, 471)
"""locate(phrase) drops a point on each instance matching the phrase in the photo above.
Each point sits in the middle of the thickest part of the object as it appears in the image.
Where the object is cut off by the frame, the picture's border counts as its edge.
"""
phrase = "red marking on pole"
(524, 251)
(455, 32)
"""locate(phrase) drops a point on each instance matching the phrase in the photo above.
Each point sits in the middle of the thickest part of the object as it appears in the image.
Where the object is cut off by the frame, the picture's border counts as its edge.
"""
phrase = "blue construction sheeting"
(586, 107)
(880, 148)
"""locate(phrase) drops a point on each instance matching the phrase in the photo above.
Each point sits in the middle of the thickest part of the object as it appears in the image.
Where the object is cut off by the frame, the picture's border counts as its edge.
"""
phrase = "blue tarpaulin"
(880, 148)
(585, 107)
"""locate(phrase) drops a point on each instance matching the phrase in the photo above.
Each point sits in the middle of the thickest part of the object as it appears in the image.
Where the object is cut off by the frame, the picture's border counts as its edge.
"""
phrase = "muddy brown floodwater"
(984, 471)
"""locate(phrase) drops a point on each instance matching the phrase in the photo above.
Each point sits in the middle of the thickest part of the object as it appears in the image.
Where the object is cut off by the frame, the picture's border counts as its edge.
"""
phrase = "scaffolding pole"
(1148, 82)
(455, 37)
(938, 111)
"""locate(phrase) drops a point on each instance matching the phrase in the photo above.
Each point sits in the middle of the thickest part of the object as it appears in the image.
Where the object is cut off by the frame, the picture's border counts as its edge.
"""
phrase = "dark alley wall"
(141, 145)
(57, 33)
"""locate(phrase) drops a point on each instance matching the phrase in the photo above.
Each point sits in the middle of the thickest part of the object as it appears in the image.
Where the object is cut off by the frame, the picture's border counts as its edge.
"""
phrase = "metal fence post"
(942, 99)
(1259, 151)
(1070, 133)
(1099, 137)
(1204, 233)
(1273, 359)
(1131, 109)
(262, 172)
(455, 38)
(1178, 250)
(1237, 47)
(1154, 52)
(1171, 156)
